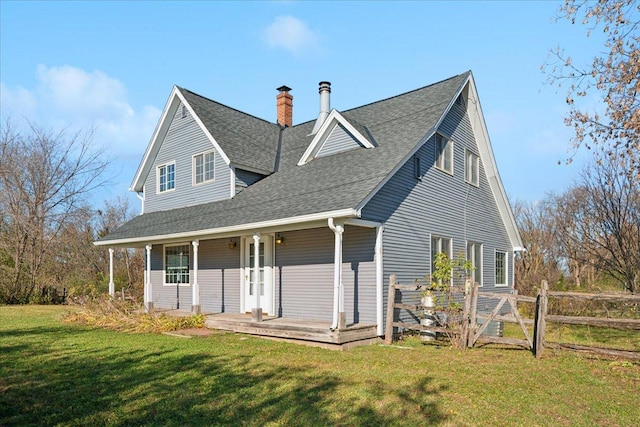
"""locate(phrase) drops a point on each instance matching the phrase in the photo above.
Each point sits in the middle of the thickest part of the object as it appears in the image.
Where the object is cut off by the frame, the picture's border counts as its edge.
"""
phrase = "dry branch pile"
(128, 317)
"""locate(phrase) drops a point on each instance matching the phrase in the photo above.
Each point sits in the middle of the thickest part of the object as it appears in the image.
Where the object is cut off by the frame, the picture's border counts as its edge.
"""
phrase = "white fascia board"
(479, 126)
(423, 141)
(161, 131)
(325, 130)
(234, 229)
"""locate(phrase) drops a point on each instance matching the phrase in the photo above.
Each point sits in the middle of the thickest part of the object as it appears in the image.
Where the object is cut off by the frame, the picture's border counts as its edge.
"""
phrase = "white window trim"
(471, 242)
(164, 264)
(193, 168)
(169, 190)
(467, 179)
(506, 268)
(437, 154)
(450, 254)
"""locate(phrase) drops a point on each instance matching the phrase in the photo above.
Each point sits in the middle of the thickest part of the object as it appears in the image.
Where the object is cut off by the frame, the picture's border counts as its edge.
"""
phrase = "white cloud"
(77, 92)
(289, 33)
(72, 98)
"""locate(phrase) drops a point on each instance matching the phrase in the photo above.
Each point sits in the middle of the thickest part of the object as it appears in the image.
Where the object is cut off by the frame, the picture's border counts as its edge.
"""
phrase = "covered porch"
(315, 281)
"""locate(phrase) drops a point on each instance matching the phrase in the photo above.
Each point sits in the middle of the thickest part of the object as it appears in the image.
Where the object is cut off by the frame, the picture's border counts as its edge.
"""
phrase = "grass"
(54, 373)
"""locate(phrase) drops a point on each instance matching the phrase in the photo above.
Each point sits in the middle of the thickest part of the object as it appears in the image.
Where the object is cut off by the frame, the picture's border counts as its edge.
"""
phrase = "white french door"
(264, 284)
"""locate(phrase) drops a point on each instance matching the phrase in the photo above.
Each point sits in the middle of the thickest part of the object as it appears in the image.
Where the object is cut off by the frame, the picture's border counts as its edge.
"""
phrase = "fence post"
(540, 323)
(473, 310)
(391, 300)
(464, 334)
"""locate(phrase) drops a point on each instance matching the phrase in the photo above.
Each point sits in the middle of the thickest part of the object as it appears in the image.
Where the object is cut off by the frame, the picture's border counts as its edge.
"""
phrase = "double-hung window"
(501, 268)
(472, 168)
(438, 245)
(166, 177)
(203, 167)
(176, 264)
(444, 153)
(474, 255)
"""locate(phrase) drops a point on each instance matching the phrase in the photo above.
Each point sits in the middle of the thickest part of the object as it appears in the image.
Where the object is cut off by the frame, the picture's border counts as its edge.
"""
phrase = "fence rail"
(470, 332)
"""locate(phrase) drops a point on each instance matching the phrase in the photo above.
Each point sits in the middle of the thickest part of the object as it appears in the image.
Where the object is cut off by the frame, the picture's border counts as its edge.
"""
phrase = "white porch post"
(256, 312)
(338, 289)
(148, 298)
(379, 282)
(112, 287)
(195, 289)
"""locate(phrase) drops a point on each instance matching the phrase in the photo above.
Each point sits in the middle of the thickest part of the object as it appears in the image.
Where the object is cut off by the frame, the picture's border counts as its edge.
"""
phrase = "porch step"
(294, 329)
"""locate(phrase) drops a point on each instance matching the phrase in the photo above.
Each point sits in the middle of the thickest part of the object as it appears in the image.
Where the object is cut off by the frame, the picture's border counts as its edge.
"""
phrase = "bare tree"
(45, 179)
(129, 263)
(601, 220)
(542, 258)
(614, 75)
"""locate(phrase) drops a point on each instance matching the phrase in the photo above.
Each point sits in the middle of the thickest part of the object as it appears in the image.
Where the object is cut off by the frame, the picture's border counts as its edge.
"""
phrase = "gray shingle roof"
(247, 140)
(336, 182)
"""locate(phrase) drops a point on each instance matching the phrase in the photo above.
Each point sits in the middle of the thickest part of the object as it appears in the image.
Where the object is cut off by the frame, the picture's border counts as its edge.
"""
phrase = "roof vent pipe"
(325, 105)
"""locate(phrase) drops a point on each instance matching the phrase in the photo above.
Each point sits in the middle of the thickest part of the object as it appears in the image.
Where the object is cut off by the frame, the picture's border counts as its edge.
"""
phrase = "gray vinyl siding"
(304, 274)
(184, 139)
(338, 141)
(245, 178)
(440, 204)
(219, 276)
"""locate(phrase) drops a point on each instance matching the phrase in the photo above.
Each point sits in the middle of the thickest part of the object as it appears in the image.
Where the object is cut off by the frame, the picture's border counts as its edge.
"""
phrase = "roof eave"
(233, 229)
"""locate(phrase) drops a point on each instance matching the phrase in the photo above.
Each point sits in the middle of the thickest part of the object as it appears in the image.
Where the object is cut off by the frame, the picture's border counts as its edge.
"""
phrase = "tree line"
(588, 235)
(47, 223)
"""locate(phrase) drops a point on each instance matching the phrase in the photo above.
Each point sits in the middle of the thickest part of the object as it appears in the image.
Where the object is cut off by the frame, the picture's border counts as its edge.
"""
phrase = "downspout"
(140, 195)
(379, 281)
(338, 298)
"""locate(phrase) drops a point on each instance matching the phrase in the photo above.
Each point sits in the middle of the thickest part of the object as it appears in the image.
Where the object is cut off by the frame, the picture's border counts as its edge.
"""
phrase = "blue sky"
(112, 65)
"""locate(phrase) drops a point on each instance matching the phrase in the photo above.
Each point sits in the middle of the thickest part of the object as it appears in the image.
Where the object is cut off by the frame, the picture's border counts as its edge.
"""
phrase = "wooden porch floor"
(303, 331)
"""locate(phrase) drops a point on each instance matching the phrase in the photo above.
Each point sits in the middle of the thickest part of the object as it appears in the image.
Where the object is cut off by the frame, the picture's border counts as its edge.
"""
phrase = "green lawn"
(52, 373)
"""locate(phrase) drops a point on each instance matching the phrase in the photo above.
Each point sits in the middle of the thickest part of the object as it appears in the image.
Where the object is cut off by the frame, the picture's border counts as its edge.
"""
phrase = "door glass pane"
(252, 270)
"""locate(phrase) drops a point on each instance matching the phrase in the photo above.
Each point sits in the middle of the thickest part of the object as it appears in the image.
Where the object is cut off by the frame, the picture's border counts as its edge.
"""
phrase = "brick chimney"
(284, 104)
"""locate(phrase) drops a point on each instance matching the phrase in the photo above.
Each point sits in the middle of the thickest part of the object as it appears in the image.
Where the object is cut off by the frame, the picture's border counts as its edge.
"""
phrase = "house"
(303, 224)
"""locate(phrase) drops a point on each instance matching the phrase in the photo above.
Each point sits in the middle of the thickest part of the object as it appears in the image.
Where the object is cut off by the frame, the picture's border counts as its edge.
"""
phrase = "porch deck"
(309, 332)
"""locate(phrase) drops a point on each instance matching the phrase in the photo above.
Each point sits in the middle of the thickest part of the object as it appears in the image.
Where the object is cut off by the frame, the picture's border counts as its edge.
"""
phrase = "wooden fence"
(542, 317)
(506, 309)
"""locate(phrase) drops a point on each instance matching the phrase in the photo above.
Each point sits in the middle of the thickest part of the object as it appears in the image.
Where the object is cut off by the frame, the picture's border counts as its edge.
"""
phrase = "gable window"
(444, 153)
(166, 177)
(203, 167)
(176, 264)
(472, 165)
(438, 245)
(501, 268)
(183, 111)
(474, 255)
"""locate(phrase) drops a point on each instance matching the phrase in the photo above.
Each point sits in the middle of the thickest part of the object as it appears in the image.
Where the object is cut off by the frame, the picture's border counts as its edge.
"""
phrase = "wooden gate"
(475, 332)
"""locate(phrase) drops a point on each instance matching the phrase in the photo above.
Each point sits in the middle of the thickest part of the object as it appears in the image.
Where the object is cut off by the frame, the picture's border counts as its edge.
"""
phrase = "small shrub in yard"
(127, 316)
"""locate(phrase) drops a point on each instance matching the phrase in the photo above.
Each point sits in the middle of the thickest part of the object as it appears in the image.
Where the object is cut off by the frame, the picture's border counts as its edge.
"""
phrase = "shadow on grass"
(83, 382)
